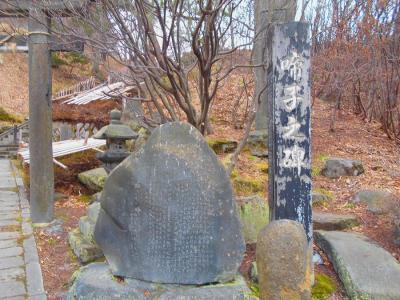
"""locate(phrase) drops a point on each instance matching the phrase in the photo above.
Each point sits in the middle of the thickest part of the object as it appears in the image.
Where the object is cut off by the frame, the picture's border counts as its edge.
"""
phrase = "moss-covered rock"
(245, 185)
(254, 215)
(93, 179)
(83, 249)
(321, 197)
(221, 146)
(324, 287)
(258, 143)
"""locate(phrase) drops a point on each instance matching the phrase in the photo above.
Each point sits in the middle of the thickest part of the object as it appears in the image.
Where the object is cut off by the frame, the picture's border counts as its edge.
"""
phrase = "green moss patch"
(244, 185)
(8, 117)
(321, 197)
(325, 192)
(324, 287)
(254, 215)
(222, 145)
(85, 199)
(226, 161)
(263, 167)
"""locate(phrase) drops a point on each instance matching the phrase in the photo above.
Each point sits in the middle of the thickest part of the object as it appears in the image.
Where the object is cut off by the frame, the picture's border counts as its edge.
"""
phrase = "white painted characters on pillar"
(294, 65)
(291, 98)
(292, 128)
(294, 157)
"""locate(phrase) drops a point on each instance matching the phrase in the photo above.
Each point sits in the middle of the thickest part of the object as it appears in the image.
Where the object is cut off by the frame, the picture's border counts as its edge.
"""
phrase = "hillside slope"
(14, 82)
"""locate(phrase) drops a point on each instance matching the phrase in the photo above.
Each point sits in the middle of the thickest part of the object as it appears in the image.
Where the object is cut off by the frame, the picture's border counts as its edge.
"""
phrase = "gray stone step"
(12, 274)
(95, 281)
(366, 270)
(93, 211)
(12, 289)
(86, 226)
(11, 262)
(10, 252)
(8, 235)
(8, 244)
(328, 221)
(85, 251)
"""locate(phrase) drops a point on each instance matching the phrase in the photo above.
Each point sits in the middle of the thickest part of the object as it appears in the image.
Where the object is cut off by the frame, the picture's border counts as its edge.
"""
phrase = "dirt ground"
(353, 138)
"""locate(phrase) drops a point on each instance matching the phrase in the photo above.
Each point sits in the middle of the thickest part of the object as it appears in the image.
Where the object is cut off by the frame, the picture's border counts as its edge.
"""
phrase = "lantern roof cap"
(116, 129)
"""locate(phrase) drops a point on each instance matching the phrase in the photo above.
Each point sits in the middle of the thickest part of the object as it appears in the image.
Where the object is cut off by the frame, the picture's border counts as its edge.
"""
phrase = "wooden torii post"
(40, 106)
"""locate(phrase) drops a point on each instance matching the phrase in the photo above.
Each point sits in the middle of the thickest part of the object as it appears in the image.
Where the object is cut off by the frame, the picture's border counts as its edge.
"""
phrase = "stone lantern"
(116, 134)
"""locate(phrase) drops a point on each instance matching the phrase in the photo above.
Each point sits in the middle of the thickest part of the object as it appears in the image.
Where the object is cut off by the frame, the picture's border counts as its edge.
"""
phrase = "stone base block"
(86, 226)
(84, 250)
(258, 143)
(95, 281)
(93, 210)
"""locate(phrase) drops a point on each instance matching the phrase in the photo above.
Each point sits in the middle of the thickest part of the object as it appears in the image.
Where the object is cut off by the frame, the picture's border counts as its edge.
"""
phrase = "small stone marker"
(168, 214)
(289, 132)
(283, 261)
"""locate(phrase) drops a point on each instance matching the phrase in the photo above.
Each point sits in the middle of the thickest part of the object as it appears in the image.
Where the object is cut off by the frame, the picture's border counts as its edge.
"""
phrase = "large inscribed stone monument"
(168, 213)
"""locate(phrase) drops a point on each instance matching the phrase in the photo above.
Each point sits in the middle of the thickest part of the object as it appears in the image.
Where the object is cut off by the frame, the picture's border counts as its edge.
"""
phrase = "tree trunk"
(266, 13)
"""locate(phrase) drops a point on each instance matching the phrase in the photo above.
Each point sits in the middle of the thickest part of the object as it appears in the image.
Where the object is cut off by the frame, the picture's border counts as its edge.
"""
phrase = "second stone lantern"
(116, 134)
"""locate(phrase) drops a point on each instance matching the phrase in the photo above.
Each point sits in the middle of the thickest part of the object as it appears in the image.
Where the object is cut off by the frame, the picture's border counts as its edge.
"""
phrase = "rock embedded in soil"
(84, 250)
(168, 213)
(319, 199)
(366, 270)
(336, 167)
(254, 215)
(82, 240)
(221, 146)
(258, 143)
(54, 228)
(329, 221)
(378, 201)
(93, 179)
(95, 281)
(283, 261)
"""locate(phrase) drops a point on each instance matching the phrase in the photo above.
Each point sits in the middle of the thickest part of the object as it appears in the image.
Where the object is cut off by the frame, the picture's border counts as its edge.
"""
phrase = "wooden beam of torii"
(40, 108)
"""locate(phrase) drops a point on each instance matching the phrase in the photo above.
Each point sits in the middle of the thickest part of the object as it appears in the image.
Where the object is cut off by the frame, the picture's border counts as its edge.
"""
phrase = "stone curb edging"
(34, 278)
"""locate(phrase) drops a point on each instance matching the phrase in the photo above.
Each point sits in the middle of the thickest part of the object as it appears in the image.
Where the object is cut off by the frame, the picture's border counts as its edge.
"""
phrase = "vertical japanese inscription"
(289, 151)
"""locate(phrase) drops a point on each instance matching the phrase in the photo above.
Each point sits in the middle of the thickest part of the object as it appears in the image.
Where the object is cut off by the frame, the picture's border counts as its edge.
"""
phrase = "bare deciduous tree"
(167, 47)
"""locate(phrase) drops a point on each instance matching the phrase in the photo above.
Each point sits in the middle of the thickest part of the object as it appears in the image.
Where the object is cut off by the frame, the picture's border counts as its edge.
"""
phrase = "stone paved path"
(20, 273)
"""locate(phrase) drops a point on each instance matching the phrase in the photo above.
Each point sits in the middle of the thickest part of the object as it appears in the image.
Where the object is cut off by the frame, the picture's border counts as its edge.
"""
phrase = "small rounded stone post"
(283, 262)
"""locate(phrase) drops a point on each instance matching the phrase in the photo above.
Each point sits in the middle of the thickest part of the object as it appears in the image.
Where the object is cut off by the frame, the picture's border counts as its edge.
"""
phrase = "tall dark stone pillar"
(40, 119)
(289, 127)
